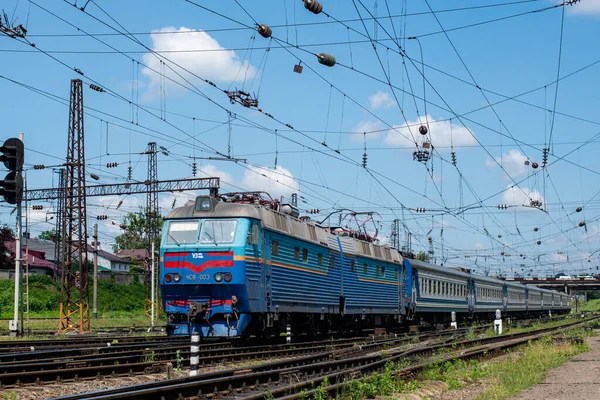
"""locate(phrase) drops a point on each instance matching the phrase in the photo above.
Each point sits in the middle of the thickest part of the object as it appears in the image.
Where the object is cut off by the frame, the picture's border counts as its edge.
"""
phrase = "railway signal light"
(13, 157)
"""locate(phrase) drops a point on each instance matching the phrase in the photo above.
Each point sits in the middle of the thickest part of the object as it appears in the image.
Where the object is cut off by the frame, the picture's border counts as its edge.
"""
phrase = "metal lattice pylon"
(74, 299)
(152, 219)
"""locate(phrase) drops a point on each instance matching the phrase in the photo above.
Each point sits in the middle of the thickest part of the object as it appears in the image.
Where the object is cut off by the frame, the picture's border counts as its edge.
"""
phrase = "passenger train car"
(241, 264)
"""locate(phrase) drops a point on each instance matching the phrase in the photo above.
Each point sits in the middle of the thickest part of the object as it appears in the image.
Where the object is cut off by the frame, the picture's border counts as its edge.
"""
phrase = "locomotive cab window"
(305, 255)
(218, 231)
(352, 266)
(320, 259)
(181, 232)
(296, 253)
(365, 269)
(274, 247)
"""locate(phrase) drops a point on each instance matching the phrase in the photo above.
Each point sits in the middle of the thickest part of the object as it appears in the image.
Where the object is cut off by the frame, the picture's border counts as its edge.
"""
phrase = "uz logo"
(197, 255)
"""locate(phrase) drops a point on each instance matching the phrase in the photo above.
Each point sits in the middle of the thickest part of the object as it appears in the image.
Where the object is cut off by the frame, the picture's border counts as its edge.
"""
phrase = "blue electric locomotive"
(241, 264)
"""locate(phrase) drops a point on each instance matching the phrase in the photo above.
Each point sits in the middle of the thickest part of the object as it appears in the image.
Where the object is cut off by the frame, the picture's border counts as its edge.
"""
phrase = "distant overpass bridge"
(565, 285)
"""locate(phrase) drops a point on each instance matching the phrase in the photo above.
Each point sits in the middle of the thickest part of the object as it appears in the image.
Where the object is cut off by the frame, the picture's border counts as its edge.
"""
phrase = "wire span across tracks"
(175, 185)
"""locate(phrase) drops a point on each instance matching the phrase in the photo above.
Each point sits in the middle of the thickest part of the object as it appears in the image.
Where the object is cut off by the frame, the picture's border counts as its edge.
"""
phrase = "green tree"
(48, 235)
(134, 235)
(6, 234)
(422, 256)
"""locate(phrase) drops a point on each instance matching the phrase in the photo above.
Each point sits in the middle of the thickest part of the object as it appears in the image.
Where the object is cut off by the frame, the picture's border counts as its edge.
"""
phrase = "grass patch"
(517, 372)
(590, 305)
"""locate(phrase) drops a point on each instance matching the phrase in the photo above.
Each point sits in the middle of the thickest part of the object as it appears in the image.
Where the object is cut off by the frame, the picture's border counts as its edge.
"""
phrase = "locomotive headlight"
(176, 277)
(218, 277)
(227, 277)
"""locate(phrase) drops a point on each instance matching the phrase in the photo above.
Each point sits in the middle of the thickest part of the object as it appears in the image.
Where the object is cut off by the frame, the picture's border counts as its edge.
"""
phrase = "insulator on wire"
(501, 253)
(582, 223)
(486, 231)
(313, 211)
(120, 204)
(129, 172)
(578, 209)
(96, 88)
(264, 31)
(536, 229)
(534, 165)
(39, 166)
(453, 155)
(502, 206)
(112, 165)
(94, 176)
(37, 207)
(101, 217)
(313, 6)
(421, 210)
(174, 202)
(423, 130)
(544, 156)
(539, 242)
(364, 160)
(499, 236)
(326, 59)
(194, 168)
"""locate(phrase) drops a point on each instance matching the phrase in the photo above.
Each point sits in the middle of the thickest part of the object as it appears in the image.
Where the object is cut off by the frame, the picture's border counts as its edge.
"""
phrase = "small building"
(33, 260)
(108, 262)
(135, 255)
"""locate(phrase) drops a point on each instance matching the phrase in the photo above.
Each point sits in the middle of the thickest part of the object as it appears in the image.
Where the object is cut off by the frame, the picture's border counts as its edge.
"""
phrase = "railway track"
(293, 378)
(18, 369)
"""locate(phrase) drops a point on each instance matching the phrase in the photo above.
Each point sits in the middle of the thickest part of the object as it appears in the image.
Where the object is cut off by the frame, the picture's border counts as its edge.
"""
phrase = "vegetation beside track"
(118, 305)
(520, 369)
(590, 305)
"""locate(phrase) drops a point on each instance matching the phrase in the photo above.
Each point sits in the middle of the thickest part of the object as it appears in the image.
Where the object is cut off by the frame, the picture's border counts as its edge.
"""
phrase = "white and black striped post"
(288, 334)
(195, 354)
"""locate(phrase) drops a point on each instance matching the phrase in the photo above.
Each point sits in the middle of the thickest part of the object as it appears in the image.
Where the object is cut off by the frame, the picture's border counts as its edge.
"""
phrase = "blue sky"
(490, 53)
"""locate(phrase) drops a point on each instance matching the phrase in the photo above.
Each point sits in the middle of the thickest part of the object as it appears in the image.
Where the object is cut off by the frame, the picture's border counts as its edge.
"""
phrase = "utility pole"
(153, 294)
(152, 216)
(60, 206)
(95, 310)
(14, 325)
(74, 299)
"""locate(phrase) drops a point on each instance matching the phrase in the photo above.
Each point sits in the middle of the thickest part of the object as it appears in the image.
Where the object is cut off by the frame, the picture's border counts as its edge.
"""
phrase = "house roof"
(134, 254)
(33, 259)
(45, 246)
(109, 256)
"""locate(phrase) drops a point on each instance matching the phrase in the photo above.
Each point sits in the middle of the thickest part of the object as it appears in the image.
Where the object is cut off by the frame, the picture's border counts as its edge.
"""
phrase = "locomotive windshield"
(218, 231)
(183, 232)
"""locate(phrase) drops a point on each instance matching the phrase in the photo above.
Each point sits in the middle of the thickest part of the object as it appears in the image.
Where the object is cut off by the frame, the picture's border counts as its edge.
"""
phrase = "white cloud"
(210, 171)
(520, 196)
(513, 162)
(381, 100)
(216, 64)
(372, 128)
(277, 182)
(442, 133)
(478, 246)
(590, 7)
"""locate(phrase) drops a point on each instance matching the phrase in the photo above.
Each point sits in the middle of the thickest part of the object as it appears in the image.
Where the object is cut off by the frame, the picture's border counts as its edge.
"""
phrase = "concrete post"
(498, 323)
(194, 354)
(453, 324)
(95, 307)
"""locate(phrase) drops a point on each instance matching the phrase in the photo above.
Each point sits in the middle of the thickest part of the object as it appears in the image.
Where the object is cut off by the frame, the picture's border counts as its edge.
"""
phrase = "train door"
(505, 297)
(526, 299)
(254, 267)
(471, 300)
(269, 246)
